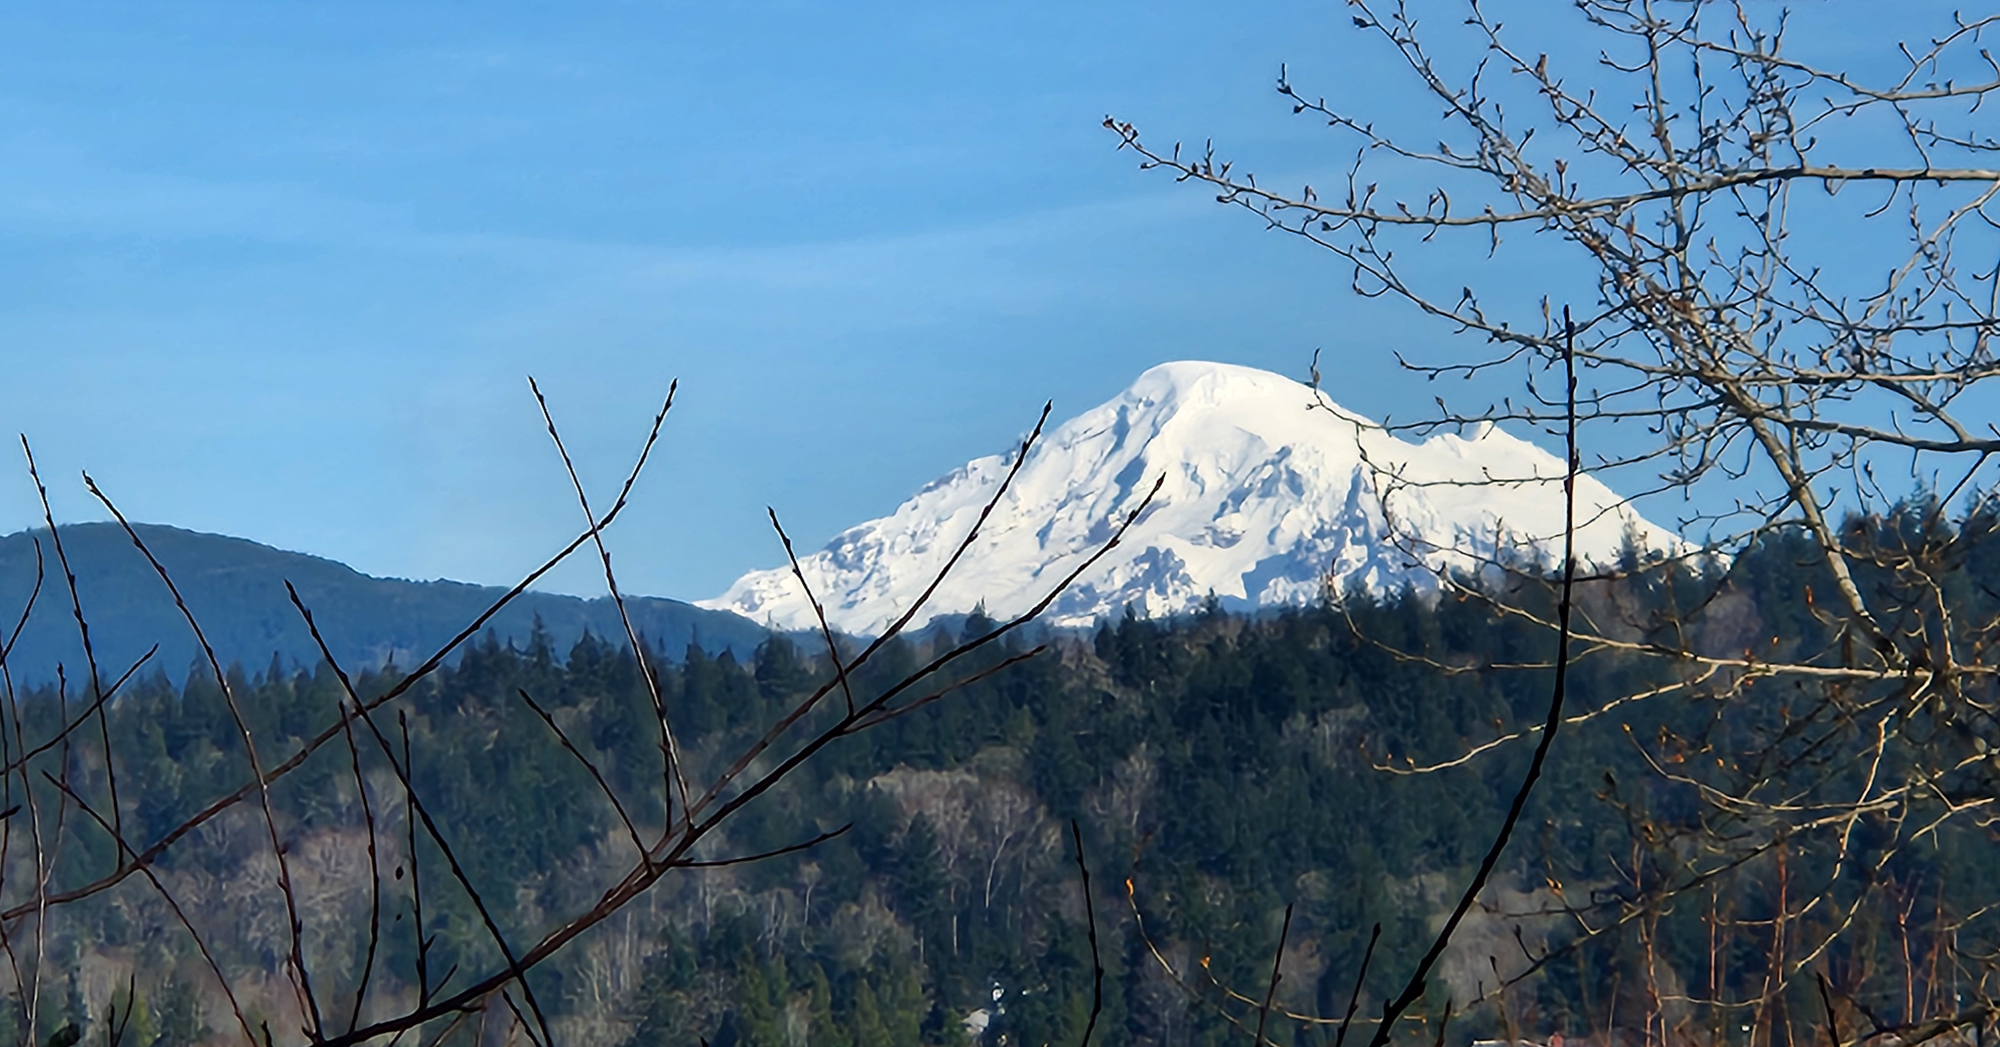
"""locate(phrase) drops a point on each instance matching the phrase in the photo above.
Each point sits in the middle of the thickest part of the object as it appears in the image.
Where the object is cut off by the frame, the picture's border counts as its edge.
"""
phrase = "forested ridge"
(1220, 768)
(237, 587)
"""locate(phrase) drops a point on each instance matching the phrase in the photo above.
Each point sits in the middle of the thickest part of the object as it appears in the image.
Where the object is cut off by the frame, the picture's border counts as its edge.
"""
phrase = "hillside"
(1221, 771)
(237, 590)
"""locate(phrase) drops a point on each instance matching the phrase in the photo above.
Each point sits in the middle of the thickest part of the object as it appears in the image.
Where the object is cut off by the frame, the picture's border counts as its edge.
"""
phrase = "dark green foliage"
(1227, 766)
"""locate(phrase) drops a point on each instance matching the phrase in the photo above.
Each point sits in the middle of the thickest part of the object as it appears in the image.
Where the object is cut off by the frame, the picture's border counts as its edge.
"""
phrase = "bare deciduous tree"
(66, 785)
(1785, 278)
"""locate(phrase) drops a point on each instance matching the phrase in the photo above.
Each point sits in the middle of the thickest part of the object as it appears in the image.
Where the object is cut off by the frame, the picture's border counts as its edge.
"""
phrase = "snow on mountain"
(1265, 502)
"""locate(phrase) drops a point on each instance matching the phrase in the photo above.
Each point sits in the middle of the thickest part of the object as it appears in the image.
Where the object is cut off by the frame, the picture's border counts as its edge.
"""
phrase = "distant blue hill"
(236, 589)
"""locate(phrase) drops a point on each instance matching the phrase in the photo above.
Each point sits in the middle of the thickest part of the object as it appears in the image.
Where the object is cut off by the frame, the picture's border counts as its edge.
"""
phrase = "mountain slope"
(236, 589)
(1265, 501)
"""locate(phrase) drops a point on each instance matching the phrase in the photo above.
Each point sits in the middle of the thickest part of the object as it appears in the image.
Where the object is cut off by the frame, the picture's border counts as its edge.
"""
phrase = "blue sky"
(280, 270)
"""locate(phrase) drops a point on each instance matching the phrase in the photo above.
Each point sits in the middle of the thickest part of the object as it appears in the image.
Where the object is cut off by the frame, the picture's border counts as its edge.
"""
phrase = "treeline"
(1220, 768)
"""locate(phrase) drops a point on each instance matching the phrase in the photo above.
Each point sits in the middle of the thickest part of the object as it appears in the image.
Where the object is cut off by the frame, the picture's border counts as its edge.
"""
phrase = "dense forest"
(1220, 769)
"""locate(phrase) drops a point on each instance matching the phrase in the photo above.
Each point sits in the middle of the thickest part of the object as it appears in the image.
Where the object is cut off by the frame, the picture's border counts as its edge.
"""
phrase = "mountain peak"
(1267, 497)
(1177, 377)
(1197, 385)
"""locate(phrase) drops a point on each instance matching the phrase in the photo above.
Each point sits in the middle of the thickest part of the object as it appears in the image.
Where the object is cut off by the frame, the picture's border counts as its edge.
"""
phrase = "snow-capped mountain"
(1265, 501)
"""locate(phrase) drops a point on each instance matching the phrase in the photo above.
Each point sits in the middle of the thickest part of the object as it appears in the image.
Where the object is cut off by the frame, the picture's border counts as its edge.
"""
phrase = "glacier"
(1271, 494)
